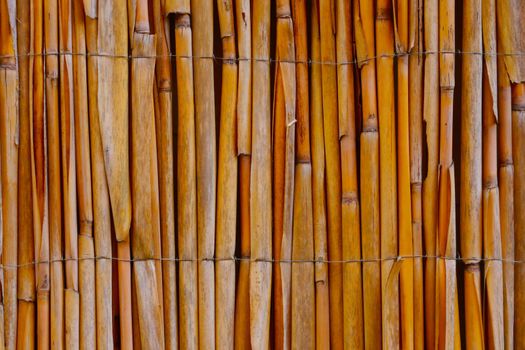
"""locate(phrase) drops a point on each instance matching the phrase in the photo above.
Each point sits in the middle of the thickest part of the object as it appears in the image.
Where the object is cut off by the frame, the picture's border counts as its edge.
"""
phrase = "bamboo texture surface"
(262, 174)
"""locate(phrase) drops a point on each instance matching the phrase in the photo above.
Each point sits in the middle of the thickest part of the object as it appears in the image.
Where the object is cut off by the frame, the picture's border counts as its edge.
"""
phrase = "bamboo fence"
(238, 174)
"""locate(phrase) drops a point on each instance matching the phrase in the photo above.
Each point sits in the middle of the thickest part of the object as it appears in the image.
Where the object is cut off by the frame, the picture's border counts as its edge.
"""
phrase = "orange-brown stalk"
(26, 252)
(227, 184)
(261, 180)
(101, 202)
(518, 144)
(165, 142)
(447, 321)
(322, 308)
(506, 185)
(430, 183)
(388, 169)
(202, 23)
(86, 268)
(50, 17)
(244, 147)
(333, 169)
(415, 98)
(9, 171)
(470, 181)
(493, 274)
(68, 176)
(186, 186)
(351, 235)
(113, 115)
(406, 278)
(372, 246)
(303, 283)
(283, 172)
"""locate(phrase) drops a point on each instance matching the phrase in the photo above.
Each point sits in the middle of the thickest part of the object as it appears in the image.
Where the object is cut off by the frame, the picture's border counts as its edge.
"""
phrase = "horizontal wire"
(265, 260)
(267, 60)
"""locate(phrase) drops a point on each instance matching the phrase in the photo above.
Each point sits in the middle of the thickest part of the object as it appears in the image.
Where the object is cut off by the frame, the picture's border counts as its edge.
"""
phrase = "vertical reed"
(373, 247)
(415, 99)
(322, 287)
(9, 170)
(431, 115)
(206, 157)
(351, 237)
(303, 283)
(186, 185)
(244, 149)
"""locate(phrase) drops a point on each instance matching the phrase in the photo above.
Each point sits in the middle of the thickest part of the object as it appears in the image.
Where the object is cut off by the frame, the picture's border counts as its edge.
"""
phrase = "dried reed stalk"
(374, 247)
(493, 274)
(351, 237)
(284, 114)
(260, 180)
(50, 18)
(112, 103)
(506, 185)
(164, 131)
(206, 158)
(9, 171)
(303, 283)
(518, 138)
(186, 185)
(86, 268)
(244, 149)
(430, 183)
(470, 174)
(447, 321)
(322, 288)
(68, 177)
(101, 202)
(406, 248)
(26, 274)
(415, 98)
(388, 168)
(227, 183)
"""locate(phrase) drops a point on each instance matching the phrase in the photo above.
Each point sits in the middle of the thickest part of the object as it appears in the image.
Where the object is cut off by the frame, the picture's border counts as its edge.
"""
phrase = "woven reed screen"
(289, 174)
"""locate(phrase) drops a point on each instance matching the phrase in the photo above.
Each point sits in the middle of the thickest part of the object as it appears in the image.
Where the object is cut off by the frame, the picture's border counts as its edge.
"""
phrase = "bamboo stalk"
(303, 282)
(470, 175)
(26, 274)
(406, 248)
(101, 202)
(388, 168)
(206, 164)
(415, 67)
(9, 169)
(283, 174)
(430, 182)
(244, 144)
(112, 102)
(333, 169)
(260, 180)
(164, 131)
(227, 181)
(506, 186)
(86, 269)
(186, 186)
(68, 177)
(351, 237)
(373, 272)
(144, 195)
(43, 165)
(322, 287)
(50, 18)
(518, 134)
(447, 320)
(493, 276)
